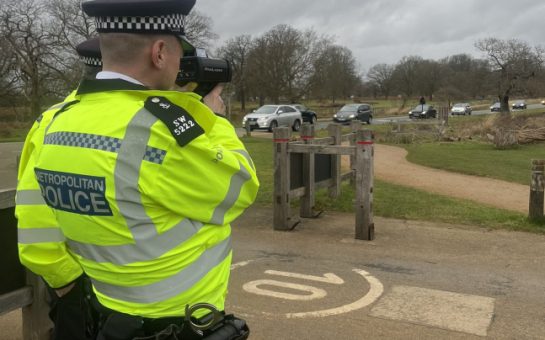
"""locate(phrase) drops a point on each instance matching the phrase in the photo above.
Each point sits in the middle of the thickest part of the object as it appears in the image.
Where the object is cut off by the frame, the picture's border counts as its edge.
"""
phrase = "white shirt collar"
(116, 75)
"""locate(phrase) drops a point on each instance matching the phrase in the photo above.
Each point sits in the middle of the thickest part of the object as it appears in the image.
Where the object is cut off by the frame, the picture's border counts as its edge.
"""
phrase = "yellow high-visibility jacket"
(141, 186)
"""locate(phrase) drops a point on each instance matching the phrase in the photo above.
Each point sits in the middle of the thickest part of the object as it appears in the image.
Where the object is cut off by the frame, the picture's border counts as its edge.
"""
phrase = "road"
(8, 161)
(323, 123)
(415, 281)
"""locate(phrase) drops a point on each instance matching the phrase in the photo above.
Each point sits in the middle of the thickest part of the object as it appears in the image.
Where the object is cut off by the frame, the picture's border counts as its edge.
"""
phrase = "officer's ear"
(159, 53)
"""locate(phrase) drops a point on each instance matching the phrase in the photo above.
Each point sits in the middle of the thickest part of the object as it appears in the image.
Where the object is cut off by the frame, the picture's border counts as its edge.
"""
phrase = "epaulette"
(182, 125)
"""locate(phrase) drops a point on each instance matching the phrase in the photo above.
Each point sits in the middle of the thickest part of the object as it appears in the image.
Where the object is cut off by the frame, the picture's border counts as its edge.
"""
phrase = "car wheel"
(296, 125)
(273, 125)
(369, 120)
(313, 120)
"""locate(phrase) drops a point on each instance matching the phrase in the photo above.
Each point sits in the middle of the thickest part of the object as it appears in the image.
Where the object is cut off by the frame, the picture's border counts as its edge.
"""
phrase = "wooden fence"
(20, 288)
(302, 167)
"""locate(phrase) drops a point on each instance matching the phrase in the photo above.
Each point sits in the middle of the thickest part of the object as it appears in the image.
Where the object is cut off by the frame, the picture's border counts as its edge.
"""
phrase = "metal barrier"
(20, 288)
(301, 167)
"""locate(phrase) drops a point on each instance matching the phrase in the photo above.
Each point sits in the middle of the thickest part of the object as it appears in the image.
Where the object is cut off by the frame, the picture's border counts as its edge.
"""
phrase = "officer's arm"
(28, 149)
(210, 178)
(40, 240)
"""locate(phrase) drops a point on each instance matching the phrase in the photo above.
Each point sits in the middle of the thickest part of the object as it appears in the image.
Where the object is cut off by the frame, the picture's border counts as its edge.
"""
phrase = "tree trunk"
(242, 99)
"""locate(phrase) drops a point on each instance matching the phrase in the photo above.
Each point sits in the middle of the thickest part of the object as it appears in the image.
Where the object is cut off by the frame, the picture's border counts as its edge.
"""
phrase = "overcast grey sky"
(383, 31)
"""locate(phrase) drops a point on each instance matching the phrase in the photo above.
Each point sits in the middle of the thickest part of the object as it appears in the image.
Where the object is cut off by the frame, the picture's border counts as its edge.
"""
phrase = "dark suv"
(349, 112)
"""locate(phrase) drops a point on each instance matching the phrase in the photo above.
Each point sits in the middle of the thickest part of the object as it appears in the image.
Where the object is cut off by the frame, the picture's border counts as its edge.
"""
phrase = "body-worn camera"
(205, 72)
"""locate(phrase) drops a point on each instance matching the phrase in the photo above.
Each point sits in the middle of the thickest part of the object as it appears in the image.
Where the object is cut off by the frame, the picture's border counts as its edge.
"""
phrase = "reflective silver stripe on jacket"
(235, 186)
(247, 156)
(57, 106)
(126, 175)
(39, 235)
(173, 285)
(141, 251)
(29, 197)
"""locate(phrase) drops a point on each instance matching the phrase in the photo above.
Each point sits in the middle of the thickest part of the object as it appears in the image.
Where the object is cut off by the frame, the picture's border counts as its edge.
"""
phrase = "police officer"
(89, 54)
(143, 181)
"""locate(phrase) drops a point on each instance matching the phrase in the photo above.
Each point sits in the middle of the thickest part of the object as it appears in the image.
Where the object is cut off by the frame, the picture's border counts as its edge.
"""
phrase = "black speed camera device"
(205, 72)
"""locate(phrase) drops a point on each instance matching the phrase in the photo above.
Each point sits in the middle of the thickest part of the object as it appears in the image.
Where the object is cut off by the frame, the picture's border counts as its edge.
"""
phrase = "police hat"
(141, 16)
(89, 52)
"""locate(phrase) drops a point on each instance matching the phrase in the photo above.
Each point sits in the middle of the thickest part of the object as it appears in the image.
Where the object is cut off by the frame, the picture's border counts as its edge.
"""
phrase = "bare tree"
(71, 27)
(280, 63)
(8, 78)
(430, 77)
(513, 63)
(25, 30)
(382, 78)
(198, 29)
(236, 51)
(407, 75)
(335, 73)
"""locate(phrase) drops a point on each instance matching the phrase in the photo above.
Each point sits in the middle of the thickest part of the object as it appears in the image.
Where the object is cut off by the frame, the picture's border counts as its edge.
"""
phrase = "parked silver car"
(270, 116)
(461, 109)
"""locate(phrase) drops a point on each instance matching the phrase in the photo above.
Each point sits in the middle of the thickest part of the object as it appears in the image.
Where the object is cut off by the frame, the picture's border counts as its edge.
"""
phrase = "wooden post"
(308, 200)
(335, 131)
(355, 126)
(248, 129)
(365, 228)
(537, 189)
(281, 204)
(36, 323)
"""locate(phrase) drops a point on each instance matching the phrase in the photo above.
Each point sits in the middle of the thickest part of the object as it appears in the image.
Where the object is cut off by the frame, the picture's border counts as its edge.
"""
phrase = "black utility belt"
(215, 325)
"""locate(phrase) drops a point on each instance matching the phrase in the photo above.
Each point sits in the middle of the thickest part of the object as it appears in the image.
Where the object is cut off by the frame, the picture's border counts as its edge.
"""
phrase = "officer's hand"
(213, 100)
(65, 290)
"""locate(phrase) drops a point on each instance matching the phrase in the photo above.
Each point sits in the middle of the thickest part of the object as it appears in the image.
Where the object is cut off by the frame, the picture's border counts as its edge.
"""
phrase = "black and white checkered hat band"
(163, 23)
(89, 61)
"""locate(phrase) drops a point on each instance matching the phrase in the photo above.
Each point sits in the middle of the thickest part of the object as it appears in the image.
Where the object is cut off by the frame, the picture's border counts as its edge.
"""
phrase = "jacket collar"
(103, 85)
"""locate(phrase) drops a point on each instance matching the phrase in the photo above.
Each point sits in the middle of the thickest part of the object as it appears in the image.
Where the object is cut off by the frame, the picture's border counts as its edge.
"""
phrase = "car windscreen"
(460, 105)
(349, 108)
(420, 107)
(266, 110)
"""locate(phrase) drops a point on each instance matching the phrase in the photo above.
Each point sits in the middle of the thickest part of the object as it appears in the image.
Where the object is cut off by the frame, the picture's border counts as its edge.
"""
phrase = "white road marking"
(327, 278)
(253, 287)
(240, 264)
(375, 291)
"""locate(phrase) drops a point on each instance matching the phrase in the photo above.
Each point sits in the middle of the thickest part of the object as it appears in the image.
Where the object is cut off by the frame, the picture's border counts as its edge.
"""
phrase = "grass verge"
(480, 159)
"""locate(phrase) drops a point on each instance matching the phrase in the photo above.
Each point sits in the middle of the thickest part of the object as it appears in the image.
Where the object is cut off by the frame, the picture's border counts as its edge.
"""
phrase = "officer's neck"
(117, 75)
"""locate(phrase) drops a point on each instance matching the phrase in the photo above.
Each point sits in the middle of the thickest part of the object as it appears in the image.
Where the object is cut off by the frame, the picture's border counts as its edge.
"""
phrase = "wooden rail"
(27, 291)
(360, 151)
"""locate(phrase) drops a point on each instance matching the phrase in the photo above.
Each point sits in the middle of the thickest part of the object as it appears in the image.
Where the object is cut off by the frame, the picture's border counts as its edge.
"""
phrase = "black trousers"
(70, 313)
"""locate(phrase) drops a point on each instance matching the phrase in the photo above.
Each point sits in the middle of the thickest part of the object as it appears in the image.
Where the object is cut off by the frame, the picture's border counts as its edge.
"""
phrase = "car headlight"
(352, 116)
(335, 115)
(262, 119)
(244, 120)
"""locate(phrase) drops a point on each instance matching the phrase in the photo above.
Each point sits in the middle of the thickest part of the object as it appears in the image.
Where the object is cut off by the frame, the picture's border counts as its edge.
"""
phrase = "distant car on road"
(496, 107)
(271, 116)
(543, 102)
(423, 111)
(461, 109)
(308, 115)
(519, 105)
(350, 112)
